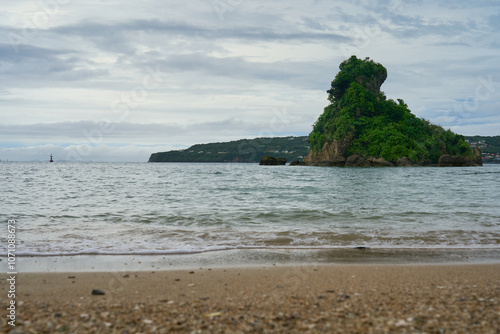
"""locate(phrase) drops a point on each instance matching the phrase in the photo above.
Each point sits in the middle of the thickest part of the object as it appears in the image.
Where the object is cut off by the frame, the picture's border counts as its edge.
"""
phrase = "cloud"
(96, 133)
(296, 73)
(475, 129)
(179, 29)
(32, 66)
(222, 73)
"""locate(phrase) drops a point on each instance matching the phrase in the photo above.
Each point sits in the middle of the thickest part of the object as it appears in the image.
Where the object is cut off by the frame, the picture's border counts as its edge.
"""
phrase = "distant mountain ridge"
(291, 148)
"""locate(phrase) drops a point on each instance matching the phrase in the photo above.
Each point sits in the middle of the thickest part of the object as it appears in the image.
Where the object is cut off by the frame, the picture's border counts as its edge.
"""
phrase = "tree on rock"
(367, 73)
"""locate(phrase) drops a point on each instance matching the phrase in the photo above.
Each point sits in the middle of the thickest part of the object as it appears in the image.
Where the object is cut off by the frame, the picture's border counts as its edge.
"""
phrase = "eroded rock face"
(378, 162)
(272, 161)
(360, 161)
(373, 83)
(355, 161)
(332, 154)
(404, 162)
(452, 161)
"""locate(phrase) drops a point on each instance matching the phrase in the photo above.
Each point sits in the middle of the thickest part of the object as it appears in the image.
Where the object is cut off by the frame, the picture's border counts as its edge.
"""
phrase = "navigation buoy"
(51, 158)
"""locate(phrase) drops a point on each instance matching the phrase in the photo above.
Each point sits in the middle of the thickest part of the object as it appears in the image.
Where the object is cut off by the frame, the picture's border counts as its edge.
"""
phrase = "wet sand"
(362, 298)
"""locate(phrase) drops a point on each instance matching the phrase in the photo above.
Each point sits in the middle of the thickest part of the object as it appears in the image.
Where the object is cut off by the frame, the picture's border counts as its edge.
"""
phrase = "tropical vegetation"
(377, 126)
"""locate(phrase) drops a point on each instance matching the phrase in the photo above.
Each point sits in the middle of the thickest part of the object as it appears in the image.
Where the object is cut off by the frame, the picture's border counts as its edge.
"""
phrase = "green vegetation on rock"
(361, 121)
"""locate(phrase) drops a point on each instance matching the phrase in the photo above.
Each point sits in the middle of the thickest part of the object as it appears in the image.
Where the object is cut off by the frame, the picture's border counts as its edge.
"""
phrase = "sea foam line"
(225, 248)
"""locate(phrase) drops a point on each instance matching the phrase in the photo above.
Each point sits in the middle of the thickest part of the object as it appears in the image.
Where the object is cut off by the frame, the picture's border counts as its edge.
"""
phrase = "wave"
(174, 252)
(131, 252)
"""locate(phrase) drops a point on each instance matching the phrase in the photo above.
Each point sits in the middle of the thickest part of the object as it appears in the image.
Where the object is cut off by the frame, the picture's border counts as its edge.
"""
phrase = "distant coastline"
(239, 151)
(291, 148)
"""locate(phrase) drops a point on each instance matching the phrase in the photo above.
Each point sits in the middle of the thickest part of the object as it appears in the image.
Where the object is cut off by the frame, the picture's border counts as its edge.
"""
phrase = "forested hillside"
(244, 150)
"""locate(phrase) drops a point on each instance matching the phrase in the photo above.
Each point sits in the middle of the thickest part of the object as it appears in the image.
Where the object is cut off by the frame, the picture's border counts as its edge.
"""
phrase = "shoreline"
(333, 298)
(251, 257)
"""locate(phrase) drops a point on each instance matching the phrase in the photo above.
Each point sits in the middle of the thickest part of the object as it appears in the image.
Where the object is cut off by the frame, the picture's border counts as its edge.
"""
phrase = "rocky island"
(361, 127)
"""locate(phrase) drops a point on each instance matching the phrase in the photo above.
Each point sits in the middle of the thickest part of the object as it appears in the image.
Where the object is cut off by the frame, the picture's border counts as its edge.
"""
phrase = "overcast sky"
(117, 80)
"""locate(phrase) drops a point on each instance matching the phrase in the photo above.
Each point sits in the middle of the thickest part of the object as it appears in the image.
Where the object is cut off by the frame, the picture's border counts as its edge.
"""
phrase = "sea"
(173, 210)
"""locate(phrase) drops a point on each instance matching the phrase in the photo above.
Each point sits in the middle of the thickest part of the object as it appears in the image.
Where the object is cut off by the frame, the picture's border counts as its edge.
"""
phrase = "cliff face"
(361, 127)
(332, 154)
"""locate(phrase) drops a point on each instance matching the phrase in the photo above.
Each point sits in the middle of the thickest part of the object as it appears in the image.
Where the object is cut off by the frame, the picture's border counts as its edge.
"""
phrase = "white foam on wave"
(224, 248)
(130, 252)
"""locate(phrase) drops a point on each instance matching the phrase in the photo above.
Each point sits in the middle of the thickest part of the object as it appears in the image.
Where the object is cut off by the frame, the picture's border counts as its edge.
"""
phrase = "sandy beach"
(265, 299)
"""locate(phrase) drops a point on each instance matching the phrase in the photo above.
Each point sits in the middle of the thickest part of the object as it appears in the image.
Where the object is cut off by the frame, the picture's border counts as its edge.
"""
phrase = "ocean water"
(170, 208)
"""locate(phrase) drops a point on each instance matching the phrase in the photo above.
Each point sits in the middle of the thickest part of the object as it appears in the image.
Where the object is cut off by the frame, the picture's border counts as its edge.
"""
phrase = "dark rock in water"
(459, 161)
(352, 161)
(297, 163)
(97, 292)
(378, 162)
(272, 161)
(337, 161)
(355, 161)
(452, 161)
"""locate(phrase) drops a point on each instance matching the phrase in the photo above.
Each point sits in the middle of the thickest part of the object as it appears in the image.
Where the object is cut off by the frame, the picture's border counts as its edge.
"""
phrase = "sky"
(117, 80)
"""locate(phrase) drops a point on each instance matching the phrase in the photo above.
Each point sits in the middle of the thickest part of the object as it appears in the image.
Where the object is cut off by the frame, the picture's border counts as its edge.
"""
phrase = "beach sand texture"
(271, 299)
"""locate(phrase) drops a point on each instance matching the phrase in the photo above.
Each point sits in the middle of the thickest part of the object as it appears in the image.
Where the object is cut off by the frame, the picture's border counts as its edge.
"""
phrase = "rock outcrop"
(378, 162)
(297, 163)
(452, 161)
(356, 160)
(272, 161)
(332, 154)
(460, 161)
(405, 162)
